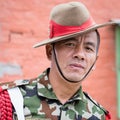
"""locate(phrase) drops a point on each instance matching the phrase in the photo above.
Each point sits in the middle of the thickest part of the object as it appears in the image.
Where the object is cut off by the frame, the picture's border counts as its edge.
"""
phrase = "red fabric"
(0, 89)
(59, 30)
(5, 106)
(108, 116)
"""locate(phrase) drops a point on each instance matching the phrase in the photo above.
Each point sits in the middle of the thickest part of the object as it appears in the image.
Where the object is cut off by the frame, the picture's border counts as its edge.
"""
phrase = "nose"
(79, 53)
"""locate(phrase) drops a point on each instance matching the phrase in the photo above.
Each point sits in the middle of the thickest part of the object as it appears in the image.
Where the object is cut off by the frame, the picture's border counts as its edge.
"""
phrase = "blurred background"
(23, 23)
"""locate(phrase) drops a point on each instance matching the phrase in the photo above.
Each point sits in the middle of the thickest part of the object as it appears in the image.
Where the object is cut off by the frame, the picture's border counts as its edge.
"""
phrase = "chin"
(75, 79)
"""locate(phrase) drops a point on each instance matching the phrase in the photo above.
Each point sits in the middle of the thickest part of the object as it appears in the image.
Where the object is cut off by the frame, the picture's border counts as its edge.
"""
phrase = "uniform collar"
(45, 90)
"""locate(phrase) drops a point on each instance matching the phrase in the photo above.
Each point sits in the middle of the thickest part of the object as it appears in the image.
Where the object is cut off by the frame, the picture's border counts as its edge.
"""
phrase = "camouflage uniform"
(41, 103)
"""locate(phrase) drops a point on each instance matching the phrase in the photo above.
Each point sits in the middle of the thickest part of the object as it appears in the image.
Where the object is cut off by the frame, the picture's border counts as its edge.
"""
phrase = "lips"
(77, 66)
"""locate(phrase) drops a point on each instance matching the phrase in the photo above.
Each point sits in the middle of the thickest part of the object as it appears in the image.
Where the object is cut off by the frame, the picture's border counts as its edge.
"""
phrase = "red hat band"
(57, 30)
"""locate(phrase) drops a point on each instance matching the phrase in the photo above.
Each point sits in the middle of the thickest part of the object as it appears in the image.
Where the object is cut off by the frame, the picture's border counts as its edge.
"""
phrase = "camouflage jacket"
(41, 103)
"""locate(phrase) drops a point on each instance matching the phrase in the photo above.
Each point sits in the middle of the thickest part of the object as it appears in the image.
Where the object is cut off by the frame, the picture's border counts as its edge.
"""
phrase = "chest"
(39, 108)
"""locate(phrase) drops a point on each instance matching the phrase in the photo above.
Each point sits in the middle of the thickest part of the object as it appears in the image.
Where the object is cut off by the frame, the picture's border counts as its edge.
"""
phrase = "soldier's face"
(76, 55)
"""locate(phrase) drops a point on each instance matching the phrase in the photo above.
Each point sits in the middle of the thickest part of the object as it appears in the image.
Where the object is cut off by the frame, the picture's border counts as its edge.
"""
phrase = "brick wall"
(25, 22)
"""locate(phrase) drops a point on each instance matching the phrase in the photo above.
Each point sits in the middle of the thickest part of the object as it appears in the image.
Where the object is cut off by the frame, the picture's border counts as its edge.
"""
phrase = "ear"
(49, 51)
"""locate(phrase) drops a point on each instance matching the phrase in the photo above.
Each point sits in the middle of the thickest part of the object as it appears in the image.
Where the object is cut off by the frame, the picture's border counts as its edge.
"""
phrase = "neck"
(63, 89)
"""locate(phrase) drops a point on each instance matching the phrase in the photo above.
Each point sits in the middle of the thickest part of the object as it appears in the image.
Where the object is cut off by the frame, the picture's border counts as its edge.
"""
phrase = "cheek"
(91, 59)
(63, 57)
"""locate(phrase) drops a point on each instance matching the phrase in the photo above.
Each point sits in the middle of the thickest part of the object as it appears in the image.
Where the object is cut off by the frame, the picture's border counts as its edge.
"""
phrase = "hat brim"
(57, 39)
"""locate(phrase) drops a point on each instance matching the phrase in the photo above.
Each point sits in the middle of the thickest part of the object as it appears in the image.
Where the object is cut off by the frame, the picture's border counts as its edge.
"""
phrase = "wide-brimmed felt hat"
(68, 20)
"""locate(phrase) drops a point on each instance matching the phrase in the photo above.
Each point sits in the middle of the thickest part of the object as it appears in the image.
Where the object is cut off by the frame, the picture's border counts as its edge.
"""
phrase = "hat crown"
(70, 14)
(69, 20)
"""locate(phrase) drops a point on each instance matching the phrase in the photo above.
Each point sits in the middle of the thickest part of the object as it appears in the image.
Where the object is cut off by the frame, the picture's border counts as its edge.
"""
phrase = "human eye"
(89, 46)
(89, 49)
(70, 44)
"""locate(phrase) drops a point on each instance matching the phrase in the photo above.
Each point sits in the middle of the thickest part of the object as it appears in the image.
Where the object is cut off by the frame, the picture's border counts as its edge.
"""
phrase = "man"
(57, 93)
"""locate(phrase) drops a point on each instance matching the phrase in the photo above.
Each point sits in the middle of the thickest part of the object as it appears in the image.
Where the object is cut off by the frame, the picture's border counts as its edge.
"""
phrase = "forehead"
(91, 37)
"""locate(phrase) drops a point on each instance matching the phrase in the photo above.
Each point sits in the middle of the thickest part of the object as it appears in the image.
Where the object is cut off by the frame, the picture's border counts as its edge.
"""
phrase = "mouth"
(76, 66)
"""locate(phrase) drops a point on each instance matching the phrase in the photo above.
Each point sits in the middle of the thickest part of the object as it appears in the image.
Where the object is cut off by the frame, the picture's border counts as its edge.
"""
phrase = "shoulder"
(22, 82)
(96, 106)
(16, 83)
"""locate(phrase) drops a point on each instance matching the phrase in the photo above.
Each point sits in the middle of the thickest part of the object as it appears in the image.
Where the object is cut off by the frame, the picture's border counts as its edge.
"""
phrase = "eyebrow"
(90, 43)
(74, 39)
